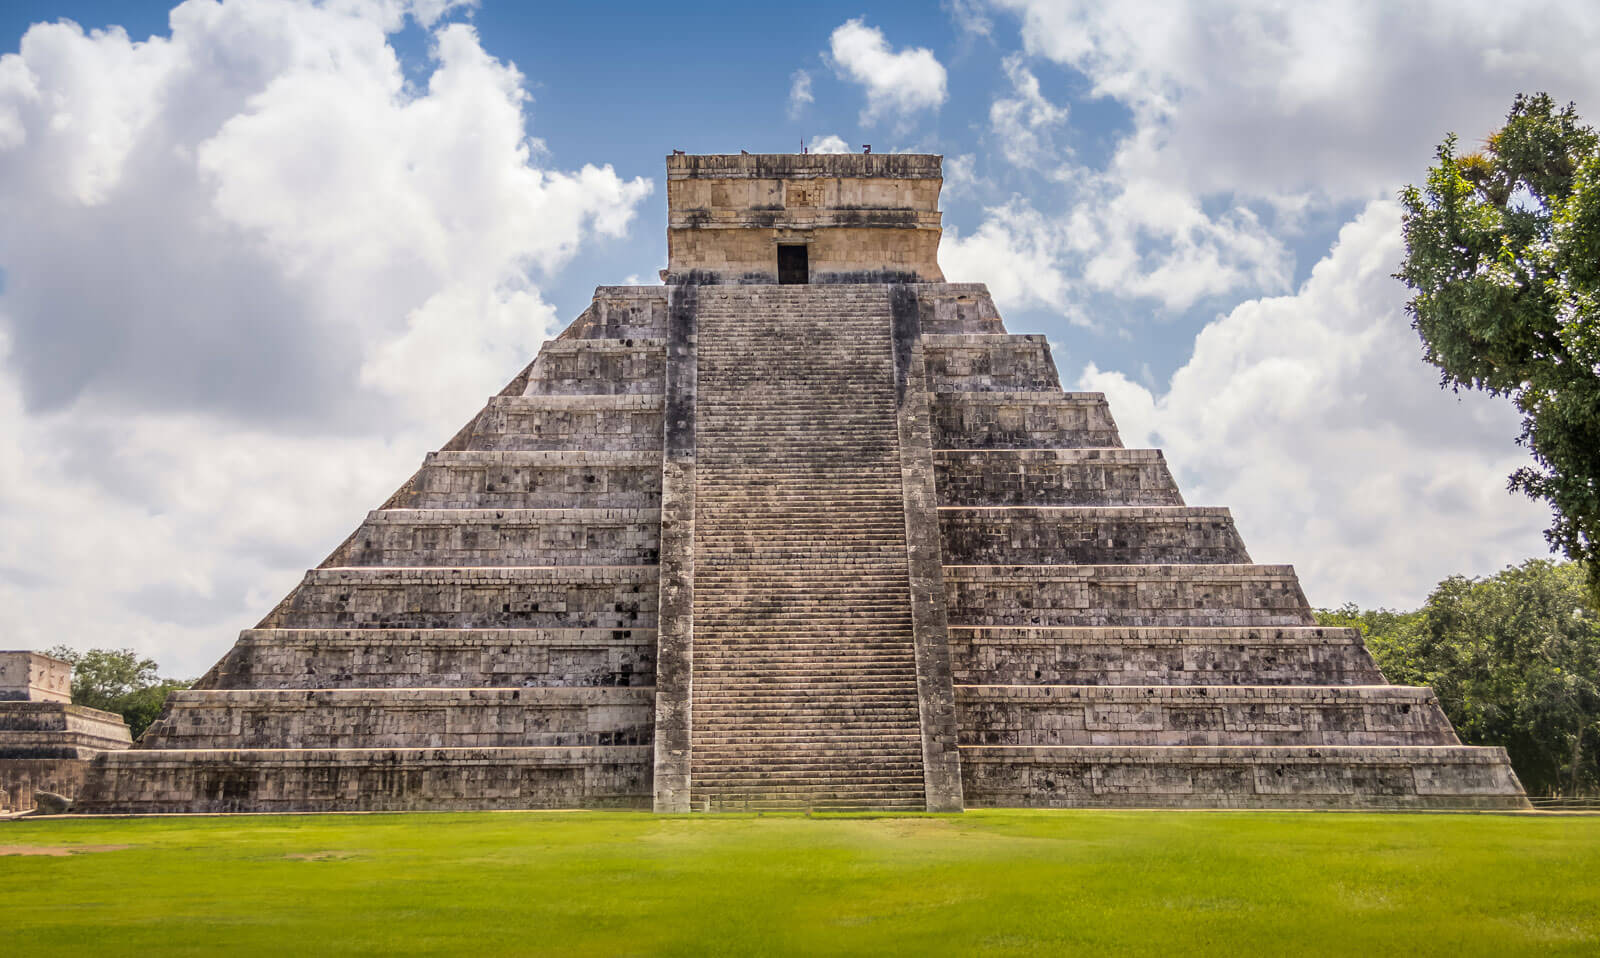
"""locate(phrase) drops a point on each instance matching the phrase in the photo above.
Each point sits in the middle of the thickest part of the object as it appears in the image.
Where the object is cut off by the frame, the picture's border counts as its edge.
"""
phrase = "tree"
(1515, 660)
(1503, 255)
(118, 680)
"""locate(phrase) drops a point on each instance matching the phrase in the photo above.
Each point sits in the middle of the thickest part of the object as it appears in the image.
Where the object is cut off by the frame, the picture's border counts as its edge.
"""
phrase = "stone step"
(588, 423)
(218, 781)
(1286, 655)
(1125, 595)
(598, 366)
(440, 598)
(992, 362)
(488, 537)
(33, 730)
(1022, 420)
(800, 540)
(1088, 535)
(405, 718)
(472, 479)
(453, 658)
(1200, 715)
(1325, 776)
(1054, 477)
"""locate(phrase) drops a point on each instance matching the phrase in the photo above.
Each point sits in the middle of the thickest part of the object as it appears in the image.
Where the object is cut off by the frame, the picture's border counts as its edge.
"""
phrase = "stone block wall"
(989, 362)
(536, 480)
(567, 423)
(1184, 655)
(1022, 420)
(1054, 477)
(598, 367)
(500, 537)
(1099, 535)
(447, 658)
(31, 677)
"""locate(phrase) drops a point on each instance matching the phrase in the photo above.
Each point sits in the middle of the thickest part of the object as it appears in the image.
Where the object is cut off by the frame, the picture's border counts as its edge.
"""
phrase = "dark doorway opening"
(792, 265)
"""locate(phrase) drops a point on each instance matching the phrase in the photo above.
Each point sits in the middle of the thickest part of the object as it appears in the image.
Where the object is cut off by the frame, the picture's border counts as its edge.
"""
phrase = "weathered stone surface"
(51, 803)
(404, 718)
(501, 537)
(536, 480)
(1089, 535)
(1200, 715)
(862, 218)
(1022, 420)
(32, 677)
(348, 780)
(446, 658)
(1240, 777)
(1182, 655)
(989, 362)
(1126, 595)
(605, 597)
(1054, 477)
(602, 423)
(598, 367)
(45, 741)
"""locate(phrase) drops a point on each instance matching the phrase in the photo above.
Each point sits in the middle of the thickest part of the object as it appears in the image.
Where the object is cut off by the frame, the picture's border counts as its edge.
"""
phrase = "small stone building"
(46, 741)
(805, 527)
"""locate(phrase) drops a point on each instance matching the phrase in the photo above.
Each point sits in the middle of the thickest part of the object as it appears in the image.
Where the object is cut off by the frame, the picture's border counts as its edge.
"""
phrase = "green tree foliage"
(1515, 660)
(118, 680)
(1503, 256)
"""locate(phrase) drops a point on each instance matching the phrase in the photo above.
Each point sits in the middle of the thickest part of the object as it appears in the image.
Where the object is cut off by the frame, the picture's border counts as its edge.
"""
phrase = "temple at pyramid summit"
(802, 528)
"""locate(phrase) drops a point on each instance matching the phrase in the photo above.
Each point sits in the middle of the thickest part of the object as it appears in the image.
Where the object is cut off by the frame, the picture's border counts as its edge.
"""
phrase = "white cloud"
(960, 174)
(897, 83)
(1339, 100)
(969, 16)
(800, 95)
(1023, 124)
(1311, 415)
(828, 144)
(1246, 116)
(1013, 252)
(252, 274)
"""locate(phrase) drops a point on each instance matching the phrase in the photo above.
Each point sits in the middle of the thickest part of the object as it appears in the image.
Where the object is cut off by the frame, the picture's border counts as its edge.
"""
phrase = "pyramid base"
(218, 781)
(1325, 777)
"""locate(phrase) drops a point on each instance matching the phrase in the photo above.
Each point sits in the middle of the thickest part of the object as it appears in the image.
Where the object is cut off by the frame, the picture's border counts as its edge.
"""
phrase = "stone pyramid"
(804, 527)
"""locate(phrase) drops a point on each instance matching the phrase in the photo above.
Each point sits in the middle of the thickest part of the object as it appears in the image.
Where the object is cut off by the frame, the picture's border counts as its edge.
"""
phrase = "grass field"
(993, 882)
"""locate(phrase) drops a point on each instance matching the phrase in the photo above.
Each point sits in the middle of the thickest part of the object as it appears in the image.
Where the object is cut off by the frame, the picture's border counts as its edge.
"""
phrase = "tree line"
(1515, 660)
(120, 681)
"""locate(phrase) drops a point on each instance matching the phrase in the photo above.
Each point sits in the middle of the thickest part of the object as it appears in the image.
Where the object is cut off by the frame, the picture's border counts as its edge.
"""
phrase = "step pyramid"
(845, 543)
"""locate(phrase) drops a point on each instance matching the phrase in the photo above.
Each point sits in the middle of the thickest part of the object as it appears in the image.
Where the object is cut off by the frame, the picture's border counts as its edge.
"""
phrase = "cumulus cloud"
(1244, 116)
(897, 83)
(251, 275)
(969, 16)
(800, 95)
(1311, 415)
(830, 143)
(1343, 100)
(1024, 124)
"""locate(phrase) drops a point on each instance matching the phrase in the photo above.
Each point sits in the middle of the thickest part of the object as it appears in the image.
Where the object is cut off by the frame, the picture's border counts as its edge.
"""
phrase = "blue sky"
(259, 256)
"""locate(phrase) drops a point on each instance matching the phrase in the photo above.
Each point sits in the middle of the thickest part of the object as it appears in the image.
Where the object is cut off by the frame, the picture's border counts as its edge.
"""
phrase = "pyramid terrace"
(804, 527)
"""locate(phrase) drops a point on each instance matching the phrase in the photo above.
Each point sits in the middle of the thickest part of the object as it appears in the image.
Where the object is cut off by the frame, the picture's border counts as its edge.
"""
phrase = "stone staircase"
(804, 684)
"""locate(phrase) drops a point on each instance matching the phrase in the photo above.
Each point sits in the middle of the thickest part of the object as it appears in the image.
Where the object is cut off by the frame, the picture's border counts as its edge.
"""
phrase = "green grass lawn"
(992, 882)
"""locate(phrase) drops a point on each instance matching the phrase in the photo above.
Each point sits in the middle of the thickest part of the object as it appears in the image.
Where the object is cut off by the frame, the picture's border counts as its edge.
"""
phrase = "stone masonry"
(803, 528)
(46, 742)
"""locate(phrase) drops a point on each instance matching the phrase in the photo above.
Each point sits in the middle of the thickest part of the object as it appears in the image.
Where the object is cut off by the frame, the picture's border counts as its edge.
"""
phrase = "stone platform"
(46, 742)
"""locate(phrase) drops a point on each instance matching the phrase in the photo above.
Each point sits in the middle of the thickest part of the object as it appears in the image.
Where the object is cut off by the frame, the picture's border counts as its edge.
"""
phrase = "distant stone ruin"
(803, 528)
(46, 741)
